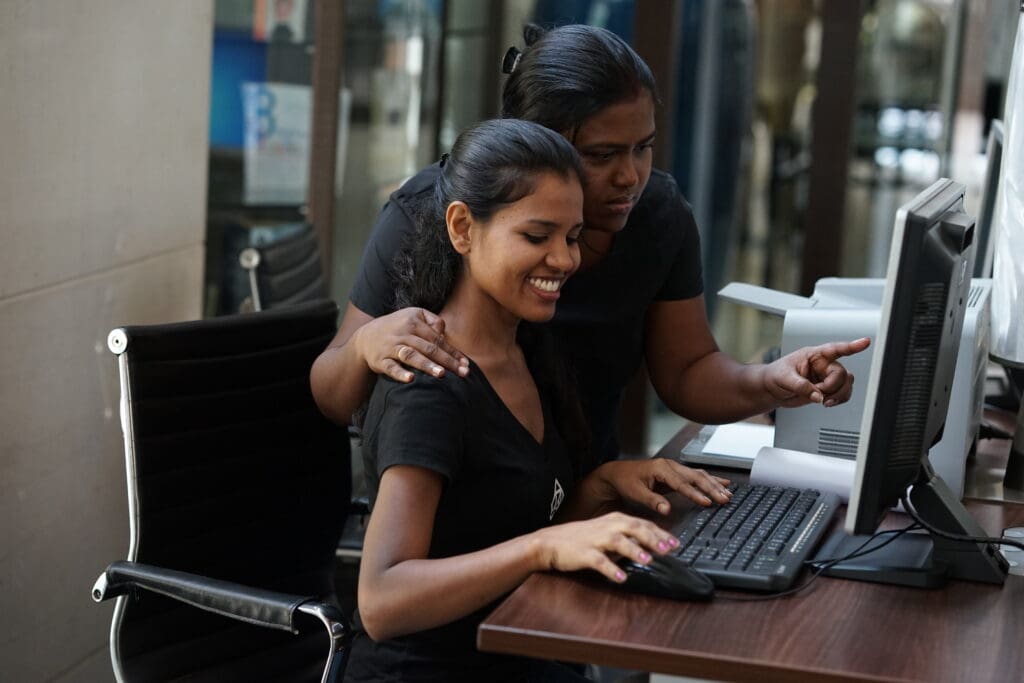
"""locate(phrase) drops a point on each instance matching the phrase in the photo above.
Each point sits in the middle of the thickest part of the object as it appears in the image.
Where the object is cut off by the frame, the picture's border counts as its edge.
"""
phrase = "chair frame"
(244, 603)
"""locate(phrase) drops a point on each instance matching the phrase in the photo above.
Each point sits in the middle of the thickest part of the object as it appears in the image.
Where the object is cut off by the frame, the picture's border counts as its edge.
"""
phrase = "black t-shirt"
(600, 315)
(499, 483)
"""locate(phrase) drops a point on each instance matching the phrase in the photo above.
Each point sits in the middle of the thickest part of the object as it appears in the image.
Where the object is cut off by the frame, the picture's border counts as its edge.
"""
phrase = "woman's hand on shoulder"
(595, 543)
(408, 338)
(644, 482)
(813, 374)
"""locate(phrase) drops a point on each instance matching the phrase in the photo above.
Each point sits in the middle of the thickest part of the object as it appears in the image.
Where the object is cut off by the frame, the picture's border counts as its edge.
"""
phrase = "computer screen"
(984, 233)
(908, 390)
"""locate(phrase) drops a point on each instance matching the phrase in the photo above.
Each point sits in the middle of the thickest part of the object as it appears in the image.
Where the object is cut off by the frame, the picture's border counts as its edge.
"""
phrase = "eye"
(534, 239)
(572, 239)
(600, 157)
(646, 147)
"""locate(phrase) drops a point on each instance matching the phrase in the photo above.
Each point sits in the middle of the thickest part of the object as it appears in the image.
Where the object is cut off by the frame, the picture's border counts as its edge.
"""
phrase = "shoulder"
(399, 213)
(416, 187)
(662, 211)
(424, 391)
(662, 198)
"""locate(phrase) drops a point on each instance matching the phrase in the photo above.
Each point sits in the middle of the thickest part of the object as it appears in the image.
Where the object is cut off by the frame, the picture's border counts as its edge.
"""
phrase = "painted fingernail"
(645, 557)
(620, 576)
(673, 541)
(662, 546)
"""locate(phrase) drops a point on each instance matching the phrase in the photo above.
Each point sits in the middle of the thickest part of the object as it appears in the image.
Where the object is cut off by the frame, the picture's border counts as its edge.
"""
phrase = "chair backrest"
(285, 272)
(233, 473)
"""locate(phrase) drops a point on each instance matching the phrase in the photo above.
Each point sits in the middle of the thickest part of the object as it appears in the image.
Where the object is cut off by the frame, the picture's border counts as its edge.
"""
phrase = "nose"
(563, 257)
(626, 173)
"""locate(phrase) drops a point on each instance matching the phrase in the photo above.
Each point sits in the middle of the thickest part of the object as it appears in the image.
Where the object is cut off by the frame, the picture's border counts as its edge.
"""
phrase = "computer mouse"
(666, 576)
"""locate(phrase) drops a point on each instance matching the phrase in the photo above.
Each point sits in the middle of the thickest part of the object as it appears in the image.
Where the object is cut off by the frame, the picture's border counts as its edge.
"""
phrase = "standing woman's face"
(616, 146)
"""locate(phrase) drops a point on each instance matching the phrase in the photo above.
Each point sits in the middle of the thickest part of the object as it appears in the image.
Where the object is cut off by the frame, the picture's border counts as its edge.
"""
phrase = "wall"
(103, 137)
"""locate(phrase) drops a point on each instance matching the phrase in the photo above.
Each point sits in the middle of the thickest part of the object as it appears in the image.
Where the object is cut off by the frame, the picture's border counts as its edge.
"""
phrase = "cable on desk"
(956, 537)
(820, 566)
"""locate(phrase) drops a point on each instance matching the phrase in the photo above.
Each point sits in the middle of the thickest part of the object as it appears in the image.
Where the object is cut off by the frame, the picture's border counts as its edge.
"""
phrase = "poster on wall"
(276, 148)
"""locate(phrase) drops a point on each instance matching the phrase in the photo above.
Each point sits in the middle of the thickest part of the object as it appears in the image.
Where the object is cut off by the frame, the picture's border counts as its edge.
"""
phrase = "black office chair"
(285, 272)
(237, 493)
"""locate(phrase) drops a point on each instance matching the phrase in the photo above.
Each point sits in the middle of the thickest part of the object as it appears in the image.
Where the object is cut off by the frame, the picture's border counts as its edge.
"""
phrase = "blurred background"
(146, 144)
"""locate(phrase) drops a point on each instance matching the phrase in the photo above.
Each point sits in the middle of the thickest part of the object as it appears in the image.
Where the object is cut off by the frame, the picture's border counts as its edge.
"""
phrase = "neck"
(478, 325)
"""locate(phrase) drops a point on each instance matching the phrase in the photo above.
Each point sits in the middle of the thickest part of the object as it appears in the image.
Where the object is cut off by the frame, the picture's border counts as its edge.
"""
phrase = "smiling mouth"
(544, 284)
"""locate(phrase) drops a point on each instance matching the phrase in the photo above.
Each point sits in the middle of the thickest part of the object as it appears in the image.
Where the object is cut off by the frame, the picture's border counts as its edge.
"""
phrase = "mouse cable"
(956, 537)
(818, 568)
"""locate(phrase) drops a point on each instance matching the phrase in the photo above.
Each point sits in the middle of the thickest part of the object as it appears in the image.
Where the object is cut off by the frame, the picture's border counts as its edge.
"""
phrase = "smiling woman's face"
(522, 256)
(616, 146)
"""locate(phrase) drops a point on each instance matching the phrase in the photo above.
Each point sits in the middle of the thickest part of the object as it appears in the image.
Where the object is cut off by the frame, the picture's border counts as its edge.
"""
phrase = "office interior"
(130, 183)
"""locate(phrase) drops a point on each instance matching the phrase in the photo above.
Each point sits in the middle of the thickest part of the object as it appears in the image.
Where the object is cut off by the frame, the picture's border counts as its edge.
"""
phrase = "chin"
(539, 316)
(610, 224)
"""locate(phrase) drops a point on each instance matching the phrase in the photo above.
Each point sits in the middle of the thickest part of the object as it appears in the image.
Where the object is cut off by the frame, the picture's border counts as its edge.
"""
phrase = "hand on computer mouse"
(666, 576)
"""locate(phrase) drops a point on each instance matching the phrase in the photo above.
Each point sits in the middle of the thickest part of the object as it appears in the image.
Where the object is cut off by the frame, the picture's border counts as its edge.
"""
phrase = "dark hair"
(570, 73)
(491, 165)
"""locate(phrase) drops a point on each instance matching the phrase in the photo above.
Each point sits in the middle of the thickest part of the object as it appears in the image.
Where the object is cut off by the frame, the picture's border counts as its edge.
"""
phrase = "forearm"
(341, 381)
(414, 595)
(716, 389)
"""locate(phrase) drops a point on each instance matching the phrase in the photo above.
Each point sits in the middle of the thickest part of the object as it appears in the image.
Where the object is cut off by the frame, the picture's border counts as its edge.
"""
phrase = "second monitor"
(908, 393)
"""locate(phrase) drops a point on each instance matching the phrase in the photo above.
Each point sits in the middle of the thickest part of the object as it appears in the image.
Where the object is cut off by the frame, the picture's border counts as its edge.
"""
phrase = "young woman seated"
(476, 482)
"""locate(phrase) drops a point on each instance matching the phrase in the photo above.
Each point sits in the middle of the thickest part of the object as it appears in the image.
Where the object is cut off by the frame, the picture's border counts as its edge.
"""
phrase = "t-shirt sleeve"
(685, 278)
(374, 289)
(422, 424)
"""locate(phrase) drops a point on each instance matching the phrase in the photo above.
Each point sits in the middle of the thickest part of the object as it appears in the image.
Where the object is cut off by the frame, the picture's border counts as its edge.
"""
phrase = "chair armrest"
(251, 605)
(359, 505)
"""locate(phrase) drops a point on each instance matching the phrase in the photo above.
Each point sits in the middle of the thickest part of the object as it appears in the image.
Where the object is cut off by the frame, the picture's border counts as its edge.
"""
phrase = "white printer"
(843, 309)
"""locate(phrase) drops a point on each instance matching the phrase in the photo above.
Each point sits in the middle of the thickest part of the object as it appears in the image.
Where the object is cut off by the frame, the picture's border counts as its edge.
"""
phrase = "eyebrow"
(551, 225)
(610, 145)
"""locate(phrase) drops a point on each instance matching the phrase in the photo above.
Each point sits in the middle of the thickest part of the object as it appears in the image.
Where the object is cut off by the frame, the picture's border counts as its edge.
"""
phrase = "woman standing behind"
(475, 481)
(638, 296)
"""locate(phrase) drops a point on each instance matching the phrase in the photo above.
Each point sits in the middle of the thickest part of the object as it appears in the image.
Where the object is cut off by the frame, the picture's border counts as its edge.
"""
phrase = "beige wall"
(103, 141)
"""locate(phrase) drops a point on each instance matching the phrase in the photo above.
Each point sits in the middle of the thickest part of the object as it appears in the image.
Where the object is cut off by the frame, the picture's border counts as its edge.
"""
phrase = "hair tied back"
(511, 60)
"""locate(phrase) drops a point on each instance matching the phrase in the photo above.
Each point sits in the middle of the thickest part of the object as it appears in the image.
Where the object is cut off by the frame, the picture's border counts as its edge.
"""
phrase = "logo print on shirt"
(556, 499)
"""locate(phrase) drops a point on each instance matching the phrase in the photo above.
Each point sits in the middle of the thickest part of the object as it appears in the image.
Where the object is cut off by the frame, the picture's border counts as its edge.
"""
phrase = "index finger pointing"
(836, 350)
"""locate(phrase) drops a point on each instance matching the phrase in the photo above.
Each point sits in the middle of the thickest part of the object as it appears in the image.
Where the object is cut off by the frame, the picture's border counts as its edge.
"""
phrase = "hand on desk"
(813, 375)
(644, 481)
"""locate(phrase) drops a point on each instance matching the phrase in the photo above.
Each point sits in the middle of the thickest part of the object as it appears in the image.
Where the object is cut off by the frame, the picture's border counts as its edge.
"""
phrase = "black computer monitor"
(984, 234)
(926, 291)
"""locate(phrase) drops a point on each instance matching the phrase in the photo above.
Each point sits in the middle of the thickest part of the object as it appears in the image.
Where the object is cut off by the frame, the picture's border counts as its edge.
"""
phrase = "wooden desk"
(835, 631)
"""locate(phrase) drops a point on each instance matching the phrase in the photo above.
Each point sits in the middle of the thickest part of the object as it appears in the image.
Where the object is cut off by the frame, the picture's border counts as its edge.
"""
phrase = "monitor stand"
(922, 560)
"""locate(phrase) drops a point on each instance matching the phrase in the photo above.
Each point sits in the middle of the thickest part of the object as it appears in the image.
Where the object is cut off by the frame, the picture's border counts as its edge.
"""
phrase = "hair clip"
(511, 60)
(444, 159)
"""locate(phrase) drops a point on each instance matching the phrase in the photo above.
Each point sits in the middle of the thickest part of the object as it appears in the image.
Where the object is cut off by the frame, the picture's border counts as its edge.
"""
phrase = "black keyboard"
(759, 539)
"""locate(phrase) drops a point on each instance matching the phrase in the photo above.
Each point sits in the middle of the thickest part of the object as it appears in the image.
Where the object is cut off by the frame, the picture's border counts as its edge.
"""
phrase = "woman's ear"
(459, 220)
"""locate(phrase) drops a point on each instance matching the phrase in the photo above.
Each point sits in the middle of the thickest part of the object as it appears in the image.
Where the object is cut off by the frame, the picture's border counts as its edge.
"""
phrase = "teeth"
(546, 285)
